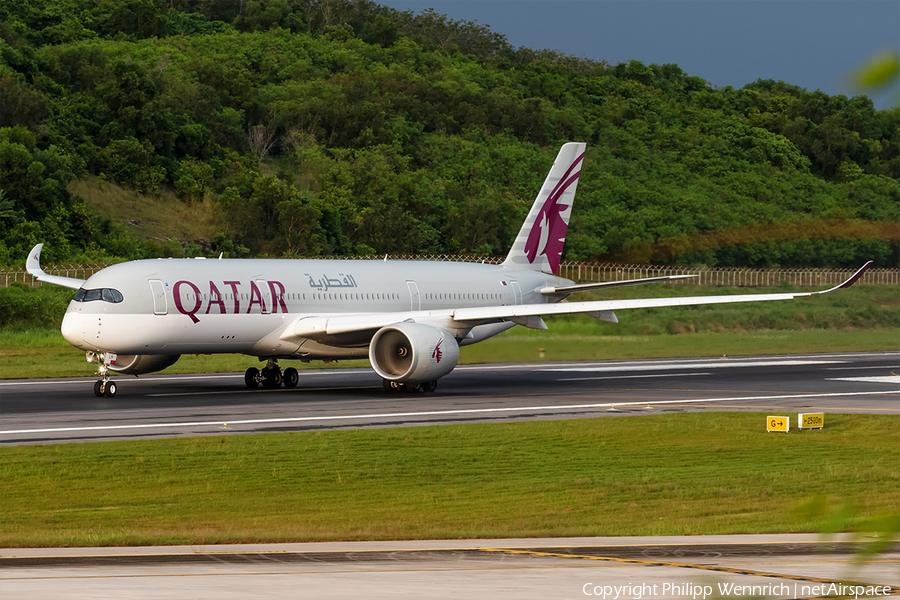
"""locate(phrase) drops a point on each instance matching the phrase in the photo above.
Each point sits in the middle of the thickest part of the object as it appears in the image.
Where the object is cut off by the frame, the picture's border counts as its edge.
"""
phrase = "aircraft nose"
(73, 328)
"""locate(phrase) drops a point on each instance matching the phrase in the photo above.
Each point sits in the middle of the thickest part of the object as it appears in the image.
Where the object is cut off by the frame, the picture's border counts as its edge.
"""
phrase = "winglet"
(33, 262)
(853, 279)
(33, 266)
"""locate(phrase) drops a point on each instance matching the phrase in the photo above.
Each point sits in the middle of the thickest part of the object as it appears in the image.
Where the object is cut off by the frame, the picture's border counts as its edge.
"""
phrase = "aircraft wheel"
(251, 377)
(412, 388)
(110, 391)
(291, 377)
(429, 386)
(392, 386)
(272, 378)
(98, 388)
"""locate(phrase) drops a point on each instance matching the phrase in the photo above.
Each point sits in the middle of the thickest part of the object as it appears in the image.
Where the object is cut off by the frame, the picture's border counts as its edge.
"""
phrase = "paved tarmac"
(776, 566)
(65, 410)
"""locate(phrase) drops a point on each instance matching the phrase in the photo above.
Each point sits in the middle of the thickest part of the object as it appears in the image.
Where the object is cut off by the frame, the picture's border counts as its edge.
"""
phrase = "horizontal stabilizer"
(583, 287)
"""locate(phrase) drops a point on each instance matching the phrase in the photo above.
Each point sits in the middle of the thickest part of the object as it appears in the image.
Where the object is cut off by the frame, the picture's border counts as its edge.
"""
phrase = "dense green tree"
(339, 127)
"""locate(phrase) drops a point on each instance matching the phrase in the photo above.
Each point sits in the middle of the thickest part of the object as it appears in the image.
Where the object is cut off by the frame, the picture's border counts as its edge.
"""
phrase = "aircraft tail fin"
(540, 242)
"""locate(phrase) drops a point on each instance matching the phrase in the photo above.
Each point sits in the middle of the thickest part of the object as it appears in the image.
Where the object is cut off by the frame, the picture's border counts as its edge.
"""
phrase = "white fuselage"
(199, 306)
(408, 317)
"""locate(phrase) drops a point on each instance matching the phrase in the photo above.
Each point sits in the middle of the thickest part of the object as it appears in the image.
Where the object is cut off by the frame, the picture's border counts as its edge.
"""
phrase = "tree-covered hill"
(340, 127)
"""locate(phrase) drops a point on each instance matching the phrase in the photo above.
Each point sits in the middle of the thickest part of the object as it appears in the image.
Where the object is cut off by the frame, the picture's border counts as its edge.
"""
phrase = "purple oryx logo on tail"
(549, 230)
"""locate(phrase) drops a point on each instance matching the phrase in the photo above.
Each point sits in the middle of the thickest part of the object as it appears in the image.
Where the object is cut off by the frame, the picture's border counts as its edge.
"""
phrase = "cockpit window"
(104, 294)
(111, 295)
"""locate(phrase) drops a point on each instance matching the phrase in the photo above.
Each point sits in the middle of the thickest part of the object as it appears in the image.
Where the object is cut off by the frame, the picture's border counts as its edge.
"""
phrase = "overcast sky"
(810, 43)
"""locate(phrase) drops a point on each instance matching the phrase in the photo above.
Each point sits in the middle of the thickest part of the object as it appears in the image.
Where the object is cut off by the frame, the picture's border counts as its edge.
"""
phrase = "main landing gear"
(410, 388)
(271, 376)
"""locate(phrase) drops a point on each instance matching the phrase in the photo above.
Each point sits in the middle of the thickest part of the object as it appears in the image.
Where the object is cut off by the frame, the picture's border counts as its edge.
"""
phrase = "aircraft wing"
(33, 266)
(599, 307)
(318, 327)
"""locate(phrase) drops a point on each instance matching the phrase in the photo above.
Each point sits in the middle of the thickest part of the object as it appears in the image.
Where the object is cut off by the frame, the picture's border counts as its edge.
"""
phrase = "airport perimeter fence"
(583, 272)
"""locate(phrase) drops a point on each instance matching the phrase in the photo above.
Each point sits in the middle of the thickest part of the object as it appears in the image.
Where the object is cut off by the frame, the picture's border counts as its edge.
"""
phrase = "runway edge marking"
(436, 413)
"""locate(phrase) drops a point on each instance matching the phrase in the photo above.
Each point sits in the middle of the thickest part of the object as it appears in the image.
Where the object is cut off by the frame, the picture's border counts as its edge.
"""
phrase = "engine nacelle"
(413, 352)
(138, 364)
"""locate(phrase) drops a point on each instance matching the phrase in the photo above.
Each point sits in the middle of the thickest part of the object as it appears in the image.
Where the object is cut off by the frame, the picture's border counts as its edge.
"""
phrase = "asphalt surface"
(778, 566)
(45, 411)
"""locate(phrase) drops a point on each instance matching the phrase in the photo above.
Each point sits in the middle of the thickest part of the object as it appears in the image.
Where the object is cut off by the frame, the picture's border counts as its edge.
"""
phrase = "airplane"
(409, 318)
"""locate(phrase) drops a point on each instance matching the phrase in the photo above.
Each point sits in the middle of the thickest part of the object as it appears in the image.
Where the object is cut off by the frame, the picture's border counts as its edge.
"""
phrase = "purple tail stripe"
(551, 214)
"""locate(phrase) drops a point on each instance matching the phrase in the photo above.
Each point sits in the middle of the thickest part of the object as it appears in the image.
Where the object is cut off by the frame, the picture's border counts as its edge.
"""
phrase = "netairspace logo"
(698, 592)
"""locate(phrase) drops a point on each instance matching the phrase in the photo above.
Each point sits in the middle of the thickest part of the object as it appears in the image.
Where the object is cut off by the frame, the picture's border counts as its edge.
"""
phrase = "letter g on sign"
(198, 301)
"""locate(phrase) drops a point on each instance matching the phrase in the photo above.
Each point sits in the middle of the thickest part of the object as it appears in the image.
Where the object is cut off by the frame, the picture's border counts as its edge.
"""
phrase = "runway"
(65, 410)
(777, 566)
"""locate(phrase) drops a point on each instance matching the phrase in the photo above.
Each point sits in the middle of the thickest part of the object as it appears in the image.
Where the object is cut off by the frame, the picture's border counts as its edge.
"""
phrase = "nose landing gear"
(103, 387)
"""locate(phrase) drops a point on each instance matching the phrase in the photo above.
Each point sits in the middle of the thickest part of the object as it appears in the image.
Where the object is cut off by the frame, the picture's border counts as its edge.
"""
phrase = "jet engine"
(413, 352)
(138, 364)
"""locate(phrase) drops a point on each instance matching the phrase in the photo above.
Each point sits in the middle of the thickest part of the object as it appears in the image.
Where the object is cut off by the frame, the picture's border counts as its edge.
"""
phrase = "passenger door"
(415, 302)
(517, 291)
(160, 304)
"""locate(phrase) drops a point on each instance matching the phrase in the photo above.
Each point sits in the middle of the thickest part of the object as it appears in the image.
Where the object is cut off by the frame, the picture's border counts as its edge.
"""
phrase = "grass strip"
(862, 318)
(45, 353)
(521, 345)
(689, 473)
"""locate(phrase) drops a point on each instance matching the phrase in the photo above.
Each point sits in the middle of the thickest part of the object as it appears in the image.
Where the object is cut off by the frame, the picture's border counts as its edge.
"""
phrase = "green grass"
(519, 346)
(860, 307)
(691, 473)
(160, 216)
(862, 318)
(44, 353)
